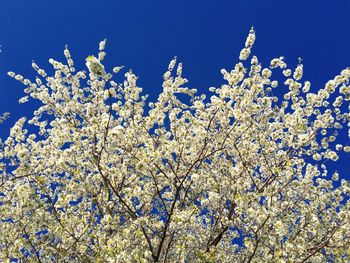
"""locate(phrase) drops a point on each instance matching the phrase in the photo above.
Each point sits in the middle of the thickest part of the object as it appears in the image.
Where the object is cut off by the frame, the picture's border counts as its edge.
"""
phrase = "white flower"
(274, 84)
(117, 69)
(298, 73)
(102, 44)
(250, 39)
(306, 87)
(335, 176)
(339, 147)
(245, 52)
(95, 66)
(23, 99)
(266, 73)
(287, 72)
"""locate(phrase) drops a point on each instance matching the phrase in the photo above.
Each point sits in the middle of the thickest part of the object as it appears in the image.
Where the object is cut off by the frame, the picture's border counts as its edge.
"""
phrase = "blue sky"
(145, 35)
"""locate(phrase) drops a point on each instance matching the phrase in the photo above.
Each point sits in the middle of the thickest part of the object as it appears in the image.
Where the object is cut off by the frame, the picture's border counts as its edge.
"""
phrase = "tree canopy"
(239, 175)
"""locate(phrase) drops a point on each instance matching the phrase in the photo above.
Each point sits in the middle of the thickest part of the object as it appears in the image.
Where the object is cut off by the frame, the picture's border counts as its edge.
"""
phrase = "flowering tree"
(239, 177)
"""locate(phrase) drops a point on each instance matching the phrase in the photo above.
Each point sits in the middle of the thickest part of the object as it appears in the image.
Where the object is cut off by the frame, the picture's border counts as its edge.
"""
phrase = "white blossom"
(94, 65)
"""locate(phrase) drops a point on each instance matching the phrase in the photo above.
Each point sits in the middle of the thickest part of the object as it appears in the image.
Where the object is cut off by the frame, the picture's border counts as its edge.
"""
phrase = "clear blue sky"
(145, 35)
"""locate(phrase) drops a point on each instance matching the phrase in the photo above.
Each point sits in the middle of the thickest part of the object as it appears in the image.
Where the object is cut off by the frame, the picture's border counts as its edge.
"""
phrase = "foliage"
(238, 177)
